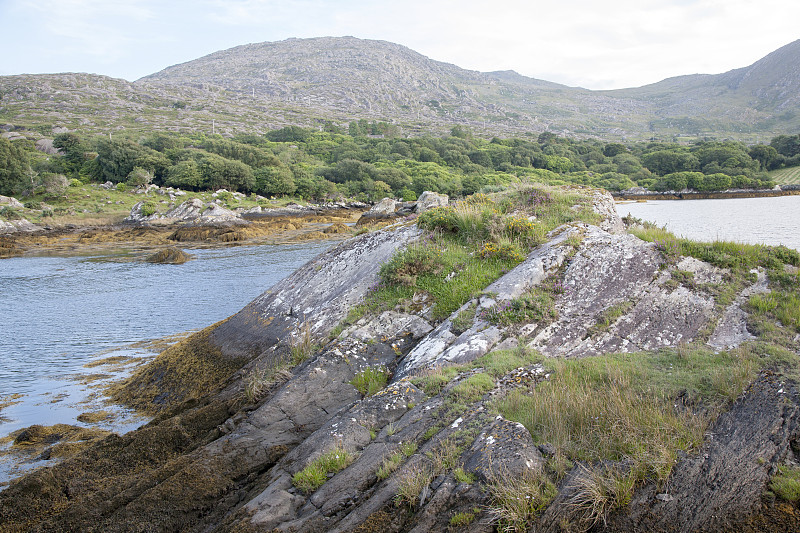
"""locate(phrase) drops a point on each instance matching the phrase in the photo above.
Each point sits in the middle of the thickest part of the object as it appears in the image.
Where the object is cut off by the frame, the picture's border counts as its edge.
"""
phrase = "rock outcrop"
(420, 454)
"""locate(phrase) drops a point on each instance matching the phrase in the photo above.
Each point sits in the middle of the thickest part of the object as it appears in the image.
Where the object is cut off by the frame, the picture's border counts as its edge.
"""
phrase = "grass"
(316, 473)
(786, 483)
(515, 501)
(785, 176)
(610, 315)
(536, 305)
(471, 244)
(781, 305)
(472, 389)
(621, 409)
(411, 483)
(724, 254)
(370, 380)
(389, 465)
(500, 362)
(301, 344)
(464, 477)
(462, 519)
(260, 380)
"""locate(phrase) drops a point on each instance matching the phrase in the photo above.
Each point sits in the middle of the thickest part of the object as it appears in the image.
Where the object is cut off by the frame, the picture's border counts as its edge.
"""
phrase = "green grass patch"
(723, 254)
(786, 483)
(472, 389)
(785, 176)
(515, 501)
(371, 380)
(781, 305)
(498, 363)
(621, 407)
(389, 465)
(316, 473)
(462, 519)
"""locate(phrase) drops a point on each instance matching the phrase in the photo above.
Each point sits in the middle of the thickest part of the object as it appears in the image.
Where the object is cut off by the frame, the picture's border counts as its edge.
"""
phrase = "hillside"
(255, 87)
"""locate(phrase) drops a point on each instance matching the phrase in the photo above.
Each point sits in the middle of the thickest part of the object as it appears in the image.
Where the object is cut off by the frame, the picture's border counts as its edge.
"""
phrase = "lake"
(61, 313)
(771, 221)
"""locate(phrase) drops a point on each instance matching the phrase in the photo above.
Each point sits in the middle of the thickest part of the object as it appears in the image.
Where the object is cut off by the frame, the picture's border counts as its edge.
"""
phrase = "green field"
(786, 175)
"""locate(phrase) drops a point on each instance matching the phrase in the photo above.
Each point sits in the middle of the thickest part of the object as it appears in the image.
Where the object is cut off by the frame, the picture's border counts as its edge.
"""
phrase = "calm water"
(770, 221)
(58, 313)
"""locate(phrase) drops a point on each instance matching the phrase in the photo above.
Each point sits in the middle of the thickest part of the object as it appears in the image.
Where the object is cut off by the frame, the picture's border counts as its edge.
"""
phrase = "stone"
(429, 200)
(10, 201)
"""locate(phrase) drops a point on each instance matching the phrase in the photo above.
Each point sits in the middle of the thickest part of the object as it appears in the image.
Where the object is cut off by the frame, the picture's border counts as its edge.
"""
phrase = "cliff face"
(434, 443)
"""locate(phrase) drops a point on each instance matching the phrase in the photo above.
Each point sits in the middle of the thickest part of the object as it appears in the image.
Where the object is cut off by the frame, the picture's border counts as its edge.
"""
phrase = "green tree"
(766, 156)
(274, 181)
(139, 177)
(663, 162)
(184, 175)
(13, 167)
(73, 150)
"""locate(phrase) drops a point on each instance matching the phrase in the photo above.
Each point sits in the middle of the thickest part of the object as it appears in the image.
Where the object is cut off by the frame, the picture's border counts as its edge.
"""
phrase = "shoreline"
(696, 195)
(278, 227)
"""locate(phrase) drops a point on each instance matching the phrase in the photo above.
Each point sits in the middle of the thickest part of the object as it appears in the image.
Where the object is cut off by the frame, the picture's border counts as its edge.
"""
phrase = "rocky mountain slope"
(307, 81)
(313, 409)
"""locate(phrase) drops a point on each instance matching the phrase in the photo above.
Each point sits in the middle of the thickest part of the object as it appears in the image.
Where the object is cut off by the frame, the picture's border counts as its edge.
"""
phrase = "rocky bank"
(248, 408)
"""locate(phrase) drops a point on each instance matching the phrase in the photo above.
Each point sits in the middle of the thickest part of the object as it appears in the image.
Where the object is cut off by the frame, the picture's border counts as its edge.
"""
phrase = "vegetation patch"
(472, 388)
(370, 380)
(609, 316)
(515, 501)
(621, 409)
(316, 473)
(786, 483)
(301, 344)
(462, 519)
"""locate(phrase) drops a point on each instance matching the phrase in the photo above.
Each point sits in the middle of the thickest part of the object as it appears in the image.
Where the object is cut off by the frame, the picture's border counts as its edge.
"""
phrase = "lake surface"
(60, 313)
(771, 221)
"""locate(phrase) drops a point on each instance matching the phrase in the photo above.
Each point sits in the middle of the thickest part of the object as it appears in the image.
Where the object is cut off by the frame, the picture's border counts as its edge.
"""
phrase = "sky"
(593, 44)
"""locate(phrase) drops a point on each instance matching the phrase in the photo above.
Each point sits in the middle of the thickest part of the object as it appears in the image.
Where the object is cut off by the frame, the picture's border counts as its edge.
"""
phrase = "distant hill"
(257, 87)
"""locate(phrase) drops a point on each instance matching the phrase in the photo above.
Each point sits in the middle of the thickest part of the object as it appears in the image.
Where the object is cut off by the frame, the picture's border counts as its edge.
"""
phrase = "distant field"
(786, 175)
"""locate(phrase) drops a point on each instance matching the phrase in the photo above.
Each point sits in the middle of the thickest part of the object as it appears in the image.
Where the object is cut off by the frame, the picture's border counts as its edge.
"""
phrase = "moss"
(187, 370)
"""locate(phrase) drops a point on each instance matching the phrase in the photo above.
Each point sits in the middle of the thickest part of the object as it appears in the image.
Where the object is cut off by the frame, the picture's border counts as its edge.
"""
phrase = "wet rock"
(171, 256)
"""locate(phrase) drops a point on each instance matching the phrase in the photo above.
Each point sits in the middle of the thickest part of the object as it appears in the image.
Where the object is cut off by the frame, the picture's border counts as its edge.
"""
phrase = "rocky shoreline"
(266, 421)
(640, 193)
(191, 223)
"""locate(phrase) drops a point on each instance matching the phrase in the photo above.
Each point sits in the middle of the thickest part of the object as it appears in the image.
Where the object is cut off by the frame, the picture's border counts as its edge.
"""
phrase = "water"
(60, 313)
(771, 221)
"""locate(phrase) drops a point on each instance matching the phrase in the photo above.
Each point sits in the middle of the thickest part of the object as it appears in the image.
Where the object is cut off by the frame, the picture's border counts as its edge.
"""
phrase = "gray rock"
(385, 207)
(10, 201)
(503, 449)
(429, 200)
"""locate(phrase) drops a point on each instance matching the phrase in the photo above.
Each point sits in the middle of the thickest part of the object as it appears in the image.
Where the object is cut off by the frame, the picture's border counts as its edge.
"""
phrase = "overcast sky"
(588, 43)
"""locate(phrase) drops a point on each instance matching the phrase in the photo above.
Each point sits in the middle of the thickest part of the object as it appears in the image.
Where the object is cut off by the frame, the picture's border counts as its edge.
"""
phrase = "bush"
(148, 209)
(54, 184)
(139, 177)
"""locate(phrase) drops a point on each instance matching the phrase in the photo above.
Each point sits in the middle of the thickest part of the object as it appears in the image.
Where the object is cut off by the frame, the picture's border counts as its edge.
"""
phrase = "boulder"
(429, 200)
(10, 201)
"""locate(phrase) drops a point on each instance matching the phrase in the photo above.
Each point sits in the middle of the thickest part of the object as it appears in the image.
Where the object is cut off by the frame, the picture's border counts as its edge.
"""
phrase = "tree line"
(370, 161)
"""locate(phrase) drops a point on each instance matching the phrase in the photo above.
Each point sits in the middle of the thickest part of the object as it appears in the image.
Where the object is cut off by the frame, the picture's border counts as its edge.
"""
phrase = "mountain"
(256, 87)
